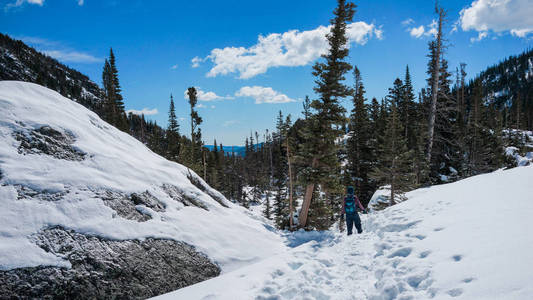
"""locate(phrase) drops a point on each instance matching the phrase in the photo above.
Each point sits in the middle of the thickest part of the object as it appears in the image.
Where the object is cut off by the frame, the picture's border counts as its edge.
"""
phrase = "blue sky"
(247, 80)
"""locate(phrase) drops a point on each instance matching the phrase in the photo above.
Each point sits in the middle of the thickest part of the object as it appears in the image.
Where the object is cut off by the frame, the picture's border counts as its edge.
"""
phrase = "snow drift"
(62, 166)
(465, 240)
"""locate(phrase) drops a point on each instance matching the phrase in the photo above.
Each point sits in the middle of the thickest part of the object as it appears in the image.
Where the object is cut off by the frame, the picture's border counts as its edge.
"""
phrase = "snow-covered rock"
(470, 239)
(63, 168)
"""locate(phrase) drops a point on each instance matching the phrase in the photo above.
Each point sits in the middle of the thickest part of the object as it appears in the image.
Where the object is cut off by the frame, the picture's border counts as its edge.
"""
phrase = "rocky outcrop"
(107, 269)
(128, 207)
(49, 141)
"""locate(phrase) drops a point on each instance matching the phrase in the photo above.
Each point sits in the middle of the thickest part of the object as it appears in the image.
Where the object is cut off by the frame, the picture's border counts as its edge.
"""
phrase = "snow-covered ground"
(112, 161)
(465, 240)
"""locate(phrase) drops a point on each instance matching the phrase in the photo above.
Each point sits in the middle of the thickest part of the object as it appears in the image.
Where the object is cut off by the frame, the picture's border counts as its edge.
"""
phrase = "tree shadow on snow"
(297, 238)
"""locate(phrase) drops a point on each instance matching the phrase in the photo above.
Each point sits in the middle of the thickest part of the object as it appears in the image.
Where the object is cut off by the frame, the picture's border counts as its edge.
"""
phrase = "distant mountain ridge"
(228, 150)
(21, 62)
(510, 79)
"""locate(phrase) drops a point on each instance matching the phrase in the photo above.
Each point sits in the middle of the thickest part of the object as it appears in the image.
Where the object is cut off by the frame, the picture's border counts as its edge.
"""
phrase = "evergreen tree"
(408, 110)
(195, 149)
(307, 108)
(114, 103)
(360, 155)
(173, 135)
(280, 209)
(395, 165)
(321, 149)
(267, 209)
(485, 146)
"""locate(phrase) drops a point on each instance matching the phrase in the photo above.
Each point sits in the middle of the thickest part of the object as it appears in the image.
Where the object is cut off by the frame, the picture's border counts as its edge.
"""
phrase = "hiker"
(351, 204)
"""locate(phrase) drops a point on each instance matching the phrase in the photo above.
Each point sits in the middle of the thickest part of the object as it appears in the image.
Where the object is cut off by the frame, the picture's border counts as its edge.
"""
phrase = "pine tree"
(360, 155)
(307, 108)
(114, 103)
(267, 209)
(395, 165)
(107, 82)
(280, 209)
(408, 110)
(485, 147)
(321, 150)
(195, 149)
(173, 135)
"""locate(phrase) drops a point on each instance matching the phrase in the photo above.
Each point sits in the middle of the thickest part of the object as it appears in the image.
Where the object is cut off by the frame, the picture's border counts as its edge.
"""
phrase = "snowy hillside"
(466, 240)
(70, 181)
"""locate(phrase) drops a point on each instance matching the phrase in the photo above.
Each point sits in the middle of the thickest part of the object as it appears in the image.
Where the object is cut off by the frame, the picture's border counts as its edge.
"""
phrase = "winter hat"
(349, 190)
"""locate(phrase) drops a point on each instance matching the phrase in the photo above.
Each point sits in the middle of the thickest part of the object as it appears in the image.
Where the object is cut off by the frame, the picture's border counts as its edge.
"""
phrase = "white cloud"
(145, 111)
(38, 41)
(420, 31)
(58, 51)
(71, 56)
(417, 32)
(288, 49)
(481, 35)
(21, 2)
(174, 67)
(432, 28)
(201, 106)
(408, 22)
(195, 62)
(512, 16)
(206, 96)
(80, 2)
(213, 107)
(263, 95)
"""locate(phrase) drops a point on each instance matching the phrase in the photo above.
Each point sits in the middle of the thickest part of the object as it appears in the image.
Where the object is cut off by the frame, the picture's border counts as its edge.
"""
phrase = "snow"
(113, 161)
(381, 197)
(469, 239)
(515, 153)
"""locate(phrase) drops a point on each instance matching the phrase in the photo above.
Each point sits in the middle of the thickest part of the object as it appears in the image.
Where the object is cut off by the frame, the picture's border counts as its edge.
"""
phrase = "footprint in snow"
(295, 266)
(417, 236)
(277, 273)
(424, 254)
(403, 252)
(468, 280)
(457, 257)
(438, 229)
(455, 292)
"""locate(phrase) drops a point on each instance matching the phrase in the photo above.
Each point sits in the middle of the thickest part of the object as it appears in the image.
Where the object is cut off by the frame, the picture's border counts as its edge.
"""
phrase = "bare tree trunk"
(302, 218)
(435, 84)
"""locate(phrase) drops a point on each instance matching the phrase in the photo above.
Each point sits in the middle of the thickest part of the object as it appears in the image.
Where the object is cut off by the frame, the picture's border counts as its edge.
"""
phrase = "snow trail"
(465, 240)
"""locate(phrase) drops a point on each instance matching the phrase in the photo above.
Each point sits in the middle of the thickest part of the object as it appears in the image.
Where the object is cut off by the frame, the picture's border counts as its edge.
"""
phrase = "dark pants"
(353, 219)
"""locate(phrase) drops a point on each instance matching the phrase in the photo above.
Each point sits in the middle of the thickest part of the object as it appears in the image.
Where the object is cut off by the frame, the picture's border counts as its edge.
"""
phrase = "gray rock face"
(107, 269)
(125, 205)
(49, 141)
(204, 188)
(177, 194)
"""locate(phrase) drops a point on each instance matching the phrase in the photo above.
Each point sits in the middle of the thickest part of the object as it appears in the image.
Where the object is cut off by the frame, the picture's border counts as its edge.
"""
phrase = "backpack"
(349, 204)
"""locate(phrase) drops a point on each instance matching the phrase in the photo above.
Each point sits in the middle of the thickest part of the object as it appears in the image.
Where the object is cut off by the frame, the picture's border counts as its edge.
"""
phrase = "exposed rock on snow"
(130, 207)
(121, 215)
(47, 140)
(103, 268)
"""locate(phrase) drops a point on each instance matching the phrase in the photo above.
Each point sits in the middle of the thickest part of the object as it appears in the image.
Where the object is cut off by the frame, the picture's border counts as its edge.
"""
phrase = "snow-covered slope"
(466, 240)
(61, 165)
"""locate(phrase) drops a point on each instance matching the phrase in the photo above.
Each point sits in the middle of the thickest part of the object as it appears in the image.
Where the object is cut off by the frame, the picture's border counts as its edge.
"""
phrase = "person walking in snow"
(351, 204)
